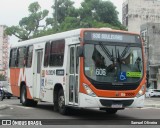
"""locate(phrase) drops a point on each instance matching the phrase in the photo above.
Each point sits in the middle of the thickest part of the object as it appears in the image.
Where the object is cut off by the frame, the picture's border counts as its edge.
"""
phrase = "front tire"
(61, 103)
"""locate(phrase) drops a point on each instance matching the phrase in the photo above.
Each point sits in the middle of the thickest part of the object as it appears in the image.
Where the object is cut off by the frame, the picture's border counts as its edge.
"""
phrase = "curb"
(152, 105)
(3, 106)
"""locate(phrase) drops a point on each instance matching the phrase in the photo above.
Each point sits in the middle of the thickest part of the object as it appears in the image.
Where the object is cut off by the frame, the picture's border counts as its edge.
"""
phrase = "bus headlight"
(141, 91)
(88, 90)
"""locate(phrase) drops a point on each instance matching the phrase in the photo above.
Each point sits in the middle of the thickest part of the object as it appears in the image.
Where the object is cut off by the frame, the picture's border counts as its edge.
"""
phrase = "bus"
(84, 68)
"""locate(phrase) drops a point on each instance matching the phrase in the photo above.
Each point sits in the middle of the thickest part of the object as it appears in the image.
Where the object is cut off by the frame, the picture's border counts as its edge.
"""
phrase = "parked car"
(4, 93)
(152, 93)
(1, 93)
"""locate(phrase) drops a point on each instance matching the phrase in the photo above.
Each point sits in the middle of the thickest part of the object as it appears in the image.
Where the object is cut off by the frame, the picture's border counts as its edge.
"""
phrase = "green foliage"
(2, 77)
(34, 7)
(29, 26)
(92, 13)
(64, 8)
(69, 24)
(100, 11)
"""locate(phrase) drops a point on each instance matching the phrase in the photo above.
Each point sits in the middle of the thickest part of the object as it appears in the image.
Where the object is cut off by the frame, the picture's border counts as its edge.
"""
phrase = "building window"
(127, 9)
(21, 57)
(127, 21)
(47, 54)
(29, 56)
(57, 53)
(13, 58)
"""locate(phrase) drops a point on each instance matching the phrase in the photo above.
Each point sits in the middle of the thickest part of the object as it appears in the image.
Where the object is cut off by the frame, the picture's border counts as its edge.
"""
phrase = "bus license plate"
(116, 106)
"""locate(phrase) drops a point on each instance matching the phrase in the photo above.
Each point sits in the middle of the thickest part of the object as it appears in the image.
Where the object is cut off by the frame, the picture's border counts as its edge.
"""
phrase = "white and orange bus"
(83, 68)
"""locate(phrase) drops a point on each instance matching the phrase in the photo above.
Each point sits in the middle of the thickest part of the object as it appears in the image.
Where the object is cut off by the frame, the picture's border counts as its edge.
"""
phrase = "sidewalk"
(149, 102)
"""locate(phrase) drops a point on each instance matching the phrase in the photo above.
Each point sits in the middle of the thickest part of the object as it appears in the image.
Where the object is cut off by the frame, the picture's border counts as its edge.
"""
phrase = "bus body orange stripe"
(15, 88)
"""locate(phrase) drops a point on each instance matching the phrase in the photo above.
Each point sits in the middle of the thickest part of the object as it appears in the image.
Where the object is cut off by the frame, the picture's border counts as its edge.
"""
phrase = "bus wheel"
(8, 97)
(61, 103)
(111, 111)
(33, 103)
(23, 96)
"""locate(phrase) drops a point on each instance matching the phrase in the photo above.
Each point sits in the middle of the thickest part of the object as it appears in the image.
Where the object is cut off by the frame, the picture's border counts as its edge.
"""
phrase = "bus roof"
(63, 35)
(47, 38)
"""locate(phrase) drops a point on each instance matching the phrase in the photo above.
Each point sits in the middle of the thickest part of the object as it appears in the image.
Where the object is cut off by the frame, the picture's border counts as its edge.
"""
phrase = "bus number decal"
(60, 72)
(100, 72)
(50, 72)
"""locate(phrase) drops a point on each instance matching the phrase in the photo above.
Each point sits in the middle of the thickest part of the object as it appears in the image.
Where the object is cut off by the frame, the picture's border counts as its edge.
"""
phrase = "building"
(151, 33)
(3, 51)
(138, 12)
(142, 16)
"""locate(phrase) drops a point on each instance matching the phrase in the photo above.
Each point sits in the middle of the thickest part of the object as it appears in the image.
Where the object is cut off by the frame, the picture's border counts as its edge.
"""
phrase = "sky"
(12, 11)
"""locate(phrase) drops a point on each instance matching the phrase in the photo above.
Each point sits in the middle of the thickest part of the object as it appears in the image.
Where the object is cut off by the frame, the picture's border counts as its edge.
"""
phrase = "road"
(78, 117)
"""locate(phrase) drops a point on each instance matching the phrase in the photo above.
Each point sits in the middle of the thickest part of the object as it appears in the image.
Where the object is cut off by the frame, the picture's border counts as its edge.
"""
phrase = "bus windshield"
(113, 63)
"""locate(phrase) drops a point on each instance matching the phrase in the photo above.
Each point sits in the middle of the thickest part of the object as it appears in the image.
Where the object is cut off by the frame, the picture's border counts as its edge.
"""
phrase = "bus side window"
(21, 57)
(57, 53)
(13, 57)
(47, 54)
(72, 60)
(29, 56)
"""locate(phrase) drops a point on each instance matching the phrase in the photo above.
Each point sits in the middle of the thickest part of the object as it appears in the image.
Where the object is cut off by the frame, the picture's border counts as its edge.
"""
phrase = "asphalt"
(3, 106)
(149, 102)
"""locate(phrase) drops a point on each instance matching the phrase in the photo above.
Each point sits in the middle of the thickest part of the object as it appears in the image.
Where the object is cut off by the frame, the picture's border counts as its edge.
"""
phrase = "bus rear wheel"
(23, 96)
(63, 109)
(24, 100)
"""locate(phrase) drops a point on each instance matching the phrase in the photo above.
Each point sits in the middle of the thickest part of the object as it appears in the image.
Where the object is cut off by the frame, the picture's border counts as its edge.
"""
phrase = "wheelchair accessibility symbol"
(122, 76)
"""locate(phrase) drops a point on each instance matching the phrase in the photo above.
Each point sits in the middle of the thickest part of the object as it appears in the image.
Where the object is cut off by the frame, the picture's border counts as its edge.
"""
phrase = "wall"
(1, 44)
(3, 51)
(140, 12)
(153, 44)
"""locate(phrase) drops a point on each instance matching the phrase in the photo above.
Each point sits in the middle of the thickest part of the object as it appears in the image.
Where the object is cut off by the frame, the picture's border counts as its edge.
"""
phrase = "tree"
(100, 11)
(64, 8)
(29, 26)
(70, 23)
(92, 13)
(64, 11)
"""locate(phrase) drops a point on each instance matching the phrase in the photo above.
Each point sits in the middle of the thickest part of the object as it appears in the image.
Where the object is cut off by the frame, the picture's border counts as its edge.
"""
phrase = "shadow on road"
(93, 114)
(86, 113)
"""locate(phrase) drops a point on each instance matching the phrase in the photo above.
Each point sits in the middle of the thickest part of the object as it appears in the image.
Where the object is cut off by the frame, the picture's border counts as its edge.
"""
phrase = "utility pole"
(148, 57)
(55, 15)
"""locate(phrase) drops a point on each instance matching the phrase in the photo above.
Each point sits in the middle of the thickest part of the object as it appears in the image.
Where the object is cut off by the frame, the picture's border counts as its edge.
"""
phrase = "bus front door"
(73, 76)
(37, 73)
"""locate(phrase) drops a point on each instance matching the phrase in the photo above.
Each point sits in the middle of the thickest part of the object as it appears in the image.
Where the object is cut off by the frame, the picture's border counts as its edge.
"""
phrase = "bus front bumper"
(86, 101)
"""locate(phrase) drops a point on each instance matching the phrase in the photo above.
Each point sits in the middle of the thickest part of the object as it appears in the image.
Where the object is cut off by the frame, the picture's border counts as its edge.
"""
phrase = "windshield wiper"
(125, 51)
(107, 52)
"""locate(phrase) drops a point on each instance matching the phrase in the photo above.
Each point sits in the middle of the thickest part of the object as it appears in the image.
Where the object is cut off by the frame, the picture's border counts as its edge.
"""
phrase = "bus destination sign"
(111, 37)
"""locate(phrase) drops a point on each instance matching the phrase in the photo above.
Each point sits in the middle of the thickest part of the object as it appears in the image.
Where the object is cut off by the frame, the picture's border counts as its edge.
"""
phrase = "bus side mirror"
(80, 51)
